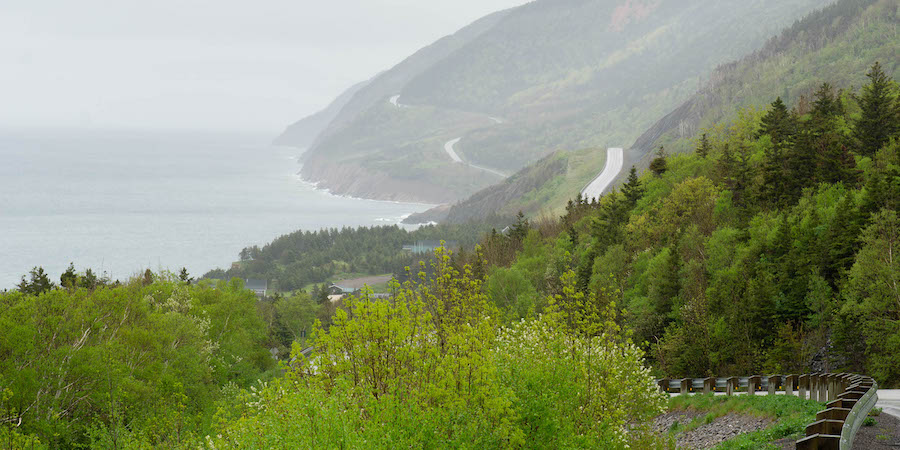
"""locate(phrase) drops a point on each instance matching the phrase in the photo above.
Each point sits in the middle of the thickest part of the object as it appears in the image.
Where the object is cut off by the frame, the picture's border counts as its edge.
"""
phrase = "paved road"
(448, 147)
(615, 159)
(889, 401)
(395, 100)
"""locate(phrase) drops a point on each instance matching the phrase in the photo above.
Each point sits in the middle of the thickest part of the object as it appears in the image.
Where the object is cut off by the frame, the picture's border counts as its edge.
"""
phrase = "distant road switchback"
(615, 159)
(448, 147)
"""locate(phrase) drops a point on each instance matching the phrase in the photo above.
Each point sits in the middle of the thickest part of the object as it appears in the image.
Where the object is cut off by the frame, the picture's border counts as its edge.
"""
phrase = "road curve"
(448, 147)
(889, 401)
(615, 159)
(395, 100)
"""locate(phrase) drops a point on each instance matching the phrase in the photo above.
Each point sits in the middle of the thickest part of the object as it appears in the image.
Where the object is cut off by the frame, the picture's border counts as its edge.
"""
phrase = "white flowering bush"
(431, 368)
(586, 391)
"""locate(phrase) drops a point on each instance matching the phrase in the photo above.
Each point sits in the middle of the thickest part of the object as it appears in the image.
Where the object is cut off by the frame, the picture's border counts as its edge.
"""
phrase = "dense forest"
(298, 259)
(769, 249)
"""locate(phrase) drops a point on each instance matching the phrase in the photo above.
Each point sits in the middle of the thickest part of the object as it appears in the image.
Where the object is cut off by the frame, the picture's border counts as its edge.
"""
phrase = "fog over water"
(204, 64)
(121, 202)
(75, 186)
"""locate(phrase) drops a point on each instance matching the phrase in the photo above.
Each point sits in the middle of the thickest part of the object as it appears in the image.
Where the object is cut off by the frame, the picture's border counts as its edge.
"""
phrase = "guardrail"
(848, 399)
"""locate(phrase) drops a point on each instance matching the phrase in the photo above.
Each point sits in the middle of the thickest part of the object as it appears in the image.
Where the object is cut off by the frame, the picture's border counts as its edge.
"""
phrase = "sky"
(215, 65)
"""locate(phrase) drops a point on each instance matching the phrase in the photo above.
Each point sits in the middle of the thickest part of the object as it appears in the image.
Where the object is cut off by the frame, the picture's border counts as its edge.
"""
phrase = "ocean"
(121, 202)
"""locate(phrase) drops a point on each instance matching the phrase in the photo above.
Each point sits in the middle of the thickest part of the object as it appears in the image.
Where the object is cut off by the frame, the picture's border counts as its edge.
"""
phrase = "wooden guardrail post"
(709, 385)
(731, 385)
(814, 387)
(753, 384)
(663, 385)
(835, 387)
(686, 385)
(774, 383)
(789, 382)
(803, 383)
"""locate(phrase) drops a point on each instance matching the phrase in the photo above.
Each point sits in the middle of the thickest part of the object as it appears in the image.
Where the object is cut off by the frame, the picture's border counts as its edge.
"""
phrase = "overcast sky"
(204, 64)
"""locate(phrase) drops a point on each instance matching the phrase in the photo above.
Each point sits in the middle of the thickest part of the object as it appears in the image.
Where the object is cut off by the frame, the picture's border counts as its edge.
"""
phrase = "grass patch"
(790, 414)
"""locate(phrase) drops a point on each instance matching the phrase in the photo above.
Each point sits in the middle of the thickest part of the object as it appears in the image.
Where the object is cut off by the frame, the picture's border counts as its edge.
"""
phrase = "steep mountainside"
(546, 76)
(302, 133)
(834, 45)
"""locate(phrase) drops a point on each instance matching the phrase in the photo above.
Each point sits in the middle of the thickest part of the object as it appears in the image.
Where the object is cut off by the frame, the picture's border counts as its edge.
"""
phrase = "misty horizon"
(204, 65)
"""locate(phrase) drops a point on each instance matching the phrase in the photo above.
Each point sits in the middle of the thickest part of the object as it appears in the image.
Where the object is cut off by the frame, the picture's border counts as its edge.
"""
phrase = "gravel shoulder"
(885, 434)
(709, 435)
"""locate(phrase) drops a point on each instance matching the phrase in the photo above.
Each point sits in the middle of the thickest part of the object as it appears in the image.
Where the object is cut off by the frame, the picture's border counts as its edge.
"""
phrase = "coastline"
(315, 186)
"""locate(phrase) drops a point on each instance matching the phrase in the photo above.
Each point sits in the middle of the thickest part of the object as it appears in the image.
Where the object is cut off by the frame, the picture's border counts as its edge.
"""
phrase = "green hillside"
(539, 190)
(835, 44)
(545, 76)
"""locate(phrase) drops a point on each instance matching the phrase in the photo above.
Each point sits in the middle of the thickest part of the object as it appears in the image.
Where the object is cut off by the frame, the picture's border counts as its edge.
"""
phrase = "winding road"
(615, 159)
(448, 147)
(395, 100)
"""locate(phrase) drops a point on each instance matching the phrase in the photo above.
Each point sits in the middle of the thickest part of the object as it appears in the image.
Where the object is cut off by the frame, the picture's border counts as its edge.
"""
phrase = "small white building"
(259, 287)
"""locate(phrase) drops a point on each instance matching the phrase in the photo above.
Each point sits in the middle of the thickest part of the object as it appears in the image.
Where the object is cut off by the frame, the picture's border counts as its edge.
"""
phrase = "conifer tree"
(69, 279)
(37, 284)
(632, 189)
(878, 121)
(826, 104)
(89, 281)
(778, 123)
(704, 147)
(659, 164)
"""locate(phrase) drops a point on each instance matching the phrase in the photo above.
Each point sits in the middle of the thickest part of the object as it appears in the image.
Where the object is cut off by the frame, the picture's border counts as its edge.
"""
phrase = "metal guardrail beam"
(849, 398)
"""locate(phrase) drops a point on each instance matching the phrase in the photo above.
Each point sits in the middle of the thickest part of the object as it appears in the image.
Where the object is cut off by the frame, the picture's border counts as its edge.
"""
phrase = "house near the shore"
(335, 289)
(428, 246)
(259, 287)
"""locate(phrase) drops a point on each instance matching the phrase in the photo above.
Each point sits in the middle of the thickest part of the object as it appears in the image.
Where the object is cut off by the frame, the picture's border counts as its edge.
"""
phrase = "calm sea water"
(121, 202)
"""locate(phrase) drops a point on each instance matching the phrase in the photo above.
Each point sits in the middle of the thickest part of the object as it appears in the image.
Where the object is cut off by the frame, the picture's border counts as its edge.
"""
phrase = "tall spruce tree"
(779, 124)
(703, 147)
(878, 121)
(632, 189)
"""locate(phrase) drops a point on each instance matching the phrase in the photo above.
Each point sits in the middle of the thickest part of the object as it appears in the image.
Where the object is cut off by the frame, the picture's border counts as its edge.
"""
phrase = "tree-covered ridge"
(295, 260)
(835, 44)
(773, 240)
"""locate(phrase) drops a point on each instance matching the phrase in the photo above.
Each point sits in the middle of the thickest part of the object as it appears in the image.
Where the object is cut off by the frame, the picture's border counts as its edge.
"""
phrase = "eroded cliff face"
(356, 181)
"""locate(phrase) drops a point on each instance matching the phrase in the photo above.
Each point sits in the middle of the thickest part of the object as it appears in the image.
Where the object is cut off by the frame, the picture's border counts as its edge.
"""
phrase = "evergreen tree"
(779, 124)
(659, 165)
(322, 297)
(632, 189)
(519, 230)
(184, 276)
(704, 147)
(69, 279)
(878, 121)
(826, 104)
(37, 284)
(89, 281)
